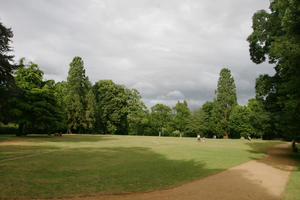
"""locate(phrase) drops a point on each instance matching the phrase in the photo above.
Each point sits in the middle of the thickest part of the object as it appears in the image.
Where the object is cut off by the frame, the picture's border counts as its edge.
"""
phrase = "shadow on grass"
(95, 171)
(235, 184)
(258, 147)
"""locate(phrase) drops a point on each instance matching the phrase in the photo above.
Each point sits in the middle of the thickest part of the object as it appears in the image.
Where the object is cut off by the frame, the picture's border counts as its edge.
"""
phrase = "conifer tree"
(76, 95)
(90, 112)
(225, 101)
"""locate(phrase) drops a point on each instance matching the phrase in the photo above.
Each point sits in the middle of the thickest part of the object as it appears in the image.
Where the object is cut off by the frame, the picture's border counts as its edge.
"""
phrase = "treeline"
(78, 106)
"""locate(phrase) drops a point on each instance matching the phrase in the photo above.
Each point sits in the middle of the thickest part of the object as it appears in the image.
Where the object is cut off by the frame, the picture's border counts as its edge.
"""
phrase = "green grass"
(72, 165)
(292, 191)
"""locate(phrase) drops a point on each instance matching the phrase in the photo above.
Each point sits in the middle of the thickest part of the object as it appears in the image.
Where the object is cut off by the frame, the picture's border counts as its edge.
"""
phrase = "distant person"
(198, 137)
(249, 138)
(215, 137)
(203, 140)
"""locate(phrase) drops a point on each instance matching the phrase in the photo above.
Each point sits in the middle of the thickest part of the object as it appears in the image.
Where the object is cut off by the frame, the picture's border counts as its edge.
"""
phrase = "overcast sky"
(169, 50)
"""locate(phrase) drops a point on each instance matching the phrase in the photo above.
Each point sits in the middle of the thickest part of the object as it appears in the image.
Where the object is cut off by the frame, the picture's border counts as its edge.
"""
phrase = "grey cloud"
(168, 49)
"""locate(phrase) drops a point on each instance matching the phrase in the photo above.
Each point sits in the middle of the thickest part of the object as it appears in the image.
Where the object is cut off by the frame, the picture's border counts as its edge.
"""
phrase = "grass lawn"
(292, 191)
(55, 167)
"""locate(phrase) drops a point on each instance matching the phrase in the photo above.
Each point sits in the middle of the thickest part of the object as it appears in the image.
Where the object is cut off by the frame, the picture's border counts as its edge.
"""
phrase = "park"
(150, 100)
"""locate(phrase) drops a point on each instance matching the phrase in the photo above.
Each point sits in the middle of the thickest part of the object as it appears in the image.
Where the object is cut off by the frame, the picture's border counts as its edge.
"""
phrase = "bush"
(176, 133)
(6, 130)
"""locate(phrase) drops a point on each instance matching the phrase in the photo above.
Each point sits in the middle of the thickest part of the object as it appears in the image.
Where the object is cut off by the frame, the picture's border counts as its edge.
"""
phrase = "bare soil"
(257, 179)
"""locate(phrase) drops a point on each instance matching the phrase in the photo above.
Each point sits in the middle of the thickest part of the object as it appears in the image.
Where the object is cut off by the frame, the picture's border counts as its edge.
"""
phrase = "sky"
(170, 50)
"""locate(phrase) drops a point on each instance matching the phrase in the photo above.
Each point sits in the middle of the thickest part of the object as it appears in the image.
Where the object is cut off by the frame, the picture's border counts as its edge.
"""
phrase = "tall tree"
(225, 101)
(276, 36)
(90, 112)
(6, 65)
(206, 117)
(259, 119)
(182, 114)
(60, 94)
(112, 107)
(137, 115)
(194, 124)
(239, 122)
(160, 117)
(77, 84)
(36, 107)
(7, 84)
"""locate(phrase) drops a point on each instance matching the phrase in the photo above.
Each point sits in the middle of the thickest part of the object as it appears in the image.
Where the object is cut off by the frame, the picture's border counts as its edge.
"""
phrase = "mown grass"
(72, 165)
(292, 191)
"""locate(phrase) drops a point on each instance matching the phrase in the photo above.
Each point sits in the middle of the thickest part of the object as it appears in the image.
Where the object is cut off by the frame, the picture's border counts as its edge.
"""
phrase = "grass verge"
(292, 191)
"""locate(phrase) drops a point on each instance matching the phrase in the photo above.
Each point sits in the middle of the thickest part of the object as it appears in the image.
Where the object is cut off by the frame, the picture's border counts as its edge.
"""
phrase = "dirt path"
(257, 179)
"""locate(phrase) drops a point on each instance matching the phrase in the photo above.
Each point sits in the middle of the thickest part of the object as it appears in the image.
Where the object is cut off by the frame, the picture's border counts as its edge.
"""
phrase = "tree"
(182, 114)
(112, 107)
(6, 66)
(225, 101)
(36, 108)
(207, 120)
(259, 118)
(60, 94)
(77, 89)
(90, 112)
(7, 84)
(194, 124)
(239, 122)
(160, 117)
(276, 38)
(138, 113)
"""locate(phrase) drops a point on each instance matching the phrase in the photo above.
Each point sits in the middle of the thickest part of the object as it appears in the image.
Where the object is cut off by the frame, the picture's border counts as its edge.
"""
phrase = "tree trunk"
(295, 149)
(69, 131)
(21, 129)
(226, 135)
(226, 131)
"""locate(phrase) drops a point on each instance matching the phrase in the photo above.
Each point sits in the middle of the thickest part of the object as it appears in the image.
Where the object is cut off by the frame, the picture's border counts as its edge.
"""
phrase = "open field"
(82, 165)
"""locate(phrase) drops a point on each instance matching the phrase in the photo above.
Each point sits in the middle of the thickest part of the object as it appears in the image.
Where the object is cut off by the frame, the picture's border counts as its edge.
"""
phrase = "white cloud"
(176, 94)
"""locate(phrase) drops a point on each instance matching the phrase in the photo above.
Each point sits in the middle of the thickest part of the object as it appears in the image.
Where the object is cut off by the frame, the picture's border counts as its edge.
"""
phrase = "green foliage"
(206, 112)
(259, 118)
(160, 117)
(276, 36)
(60, 94)
(80, 114)
(195, 124)
(239, 122)
(8, 129)
(36, 107)
(176, 133)
(112, 107)
(182, 114)
(7, 85)
(225, 101)
(138, 115)
(90, 112)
